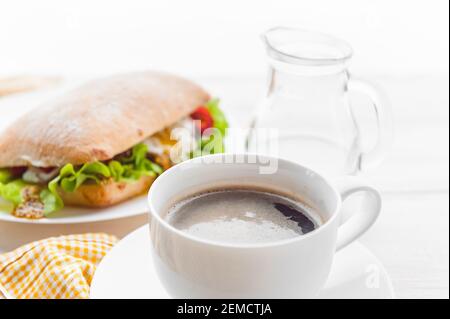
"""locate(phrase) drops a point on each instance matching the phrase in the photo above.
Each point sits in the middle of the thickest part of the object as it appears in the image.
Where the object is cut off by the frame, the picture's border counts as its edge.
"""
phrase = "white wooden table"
(411, 237)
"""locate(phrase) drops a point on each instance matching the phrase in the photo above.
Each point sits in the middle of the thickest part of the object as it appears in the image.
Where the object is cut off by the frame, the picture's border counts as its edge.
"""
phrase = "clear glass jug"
(306, 115)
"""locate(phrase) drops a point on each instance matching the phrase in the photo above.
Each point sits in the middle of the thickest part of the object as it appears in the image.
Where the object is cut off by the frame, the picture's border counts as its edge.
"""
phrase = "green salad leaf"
(70, 178)
(135, 166)
(126, 169)
(116, 169)
(220, 121)
(5, 175)
(12, 191)
(212, 144)
(122, 169)
(51, 199)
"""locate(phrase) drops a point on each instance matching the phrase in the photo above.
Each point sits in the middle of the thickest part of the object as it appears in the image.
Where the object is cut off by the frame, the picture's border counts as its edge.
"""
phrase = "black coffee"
(242, 216)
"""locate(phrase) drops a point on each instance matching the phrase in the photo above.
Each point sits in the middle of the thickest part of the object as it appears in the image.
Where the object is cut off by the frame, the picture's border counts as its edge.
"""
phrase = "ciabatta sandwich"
(103, 142)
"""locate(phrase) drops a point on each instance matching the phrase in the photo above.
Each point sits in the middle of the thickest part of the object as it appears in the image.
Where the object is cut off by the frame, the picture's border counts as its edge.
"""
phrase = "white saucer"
(127, 272)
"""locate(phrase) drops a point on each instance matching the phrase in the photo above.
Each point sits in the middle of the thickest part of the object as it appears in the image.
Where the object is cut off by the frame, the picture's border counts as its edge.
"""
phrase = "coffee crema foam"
(242, 216)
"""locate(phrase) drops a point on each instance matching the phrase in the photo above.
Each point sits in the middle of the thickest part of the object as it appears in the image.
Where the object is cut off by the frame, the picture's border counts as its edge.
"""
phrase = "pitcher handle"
(383, 112)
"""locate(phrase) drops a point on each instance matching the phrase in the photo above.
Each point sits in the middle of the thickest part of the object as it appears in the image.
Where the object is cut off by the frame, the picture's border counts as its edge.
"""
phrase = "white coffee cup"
(191, 267)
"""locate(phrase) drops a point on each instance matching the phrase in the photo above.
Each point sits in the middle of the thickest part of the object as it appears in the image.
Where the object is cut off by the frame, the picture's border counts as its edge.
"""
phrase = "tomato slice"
(202, 114)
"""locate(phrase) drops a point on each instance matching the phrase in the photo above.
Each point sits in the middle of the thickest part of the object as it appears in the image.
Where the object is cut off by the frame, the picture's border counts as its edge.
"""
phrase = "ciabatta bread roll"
(99, 119)
(101, 143)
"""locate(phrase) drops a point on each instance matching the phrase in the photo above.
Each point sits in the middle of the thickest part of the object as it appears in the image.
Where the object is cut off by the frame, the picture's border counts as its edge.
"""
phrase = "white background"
(204, 37)
(400, 44)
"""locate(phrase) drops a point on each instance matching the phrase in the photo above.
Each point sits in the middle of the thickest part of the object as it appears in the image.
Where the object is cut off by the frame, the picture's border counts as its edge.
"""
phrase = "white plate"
(76, 215)
(127, 272)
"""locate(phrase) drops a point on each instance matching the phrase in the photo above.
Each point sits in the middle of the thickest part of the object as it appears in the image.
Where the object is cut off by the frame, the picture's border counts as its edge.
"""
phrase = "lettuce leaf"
(122, 169)
(70, 178)
(126, 169)
(219, 119)
(116, 169)
(141, 164)
(212, 144)
(135, 166)
(5, 175)
(51, 200)
(12, 191)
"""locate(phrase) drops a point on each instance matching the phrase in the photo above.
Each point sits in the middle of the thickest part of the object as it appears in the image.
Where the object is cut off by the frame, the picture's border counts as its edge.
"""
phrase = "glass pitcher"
(306, 114)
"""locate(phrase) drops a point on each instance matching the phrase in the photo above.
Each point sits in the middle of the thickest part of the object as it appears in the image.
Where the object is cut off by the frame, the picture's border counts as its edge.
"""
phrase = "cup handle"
(360, 221)
(383, 113)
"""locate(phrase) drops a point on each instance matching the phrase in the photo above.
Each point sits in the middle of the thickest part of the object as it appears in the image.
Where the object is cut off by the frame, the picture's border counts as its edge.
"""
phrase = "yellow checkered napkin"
(57, 267)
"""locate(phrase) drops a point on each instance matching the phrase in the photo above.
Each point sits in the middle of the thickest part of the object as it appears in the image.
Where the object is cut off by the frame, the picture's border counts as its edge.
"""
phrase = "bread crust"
(107, 193)
(99, 119)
